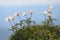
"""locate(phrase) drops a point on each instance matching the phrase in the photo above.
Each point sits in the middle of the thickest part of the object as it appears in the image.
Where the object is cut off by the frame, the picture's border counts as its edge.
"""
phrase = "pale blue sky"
(8, 7)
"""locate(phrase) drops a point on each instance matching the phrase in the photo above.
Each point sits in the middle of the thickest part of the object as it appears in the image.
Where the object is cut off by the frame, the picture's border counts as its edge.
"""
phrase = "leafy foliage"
(37, 32)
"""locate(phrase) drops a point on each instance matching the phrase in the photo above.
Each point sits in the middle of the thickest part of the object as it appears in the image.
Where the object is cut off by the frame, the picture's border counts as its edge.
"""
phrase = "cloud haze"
(27, 2)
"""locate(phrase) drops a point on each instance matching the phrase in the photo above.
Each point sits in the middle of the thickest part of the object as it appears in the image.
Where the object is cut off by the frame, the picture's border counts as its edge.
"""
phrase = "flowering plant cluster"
(16, 26)
(25, 31)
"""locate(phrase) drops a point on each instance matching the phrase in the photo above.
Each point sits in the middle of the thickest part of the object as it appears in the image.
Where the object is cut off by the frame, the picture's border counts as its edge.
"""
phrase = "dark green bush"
(37, 32)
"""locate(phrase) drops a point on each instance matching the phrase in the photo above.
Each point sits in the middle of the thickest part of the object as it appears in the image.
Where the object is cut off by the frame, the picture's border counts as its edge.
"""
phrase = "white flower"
(50, 8)
(24, 14)
(31, 11)
(9, 18)
(44, 12)
(16, 14)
